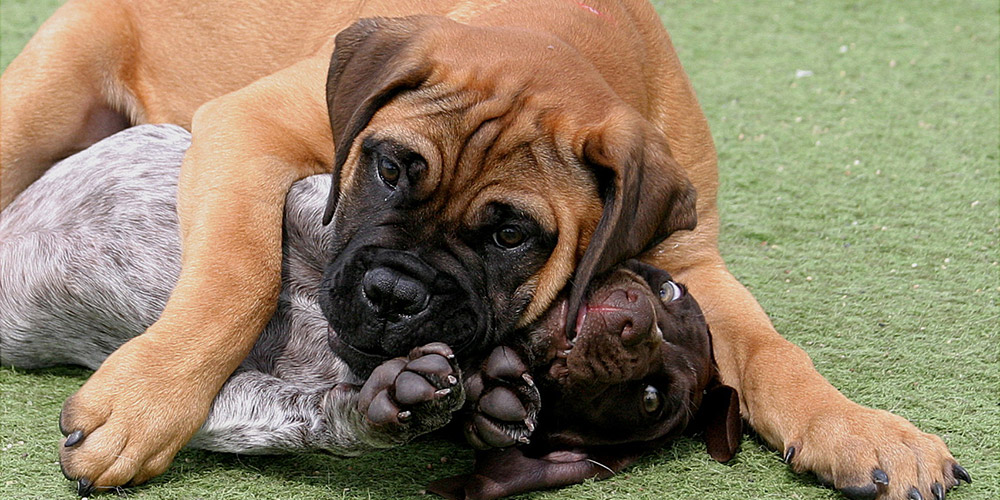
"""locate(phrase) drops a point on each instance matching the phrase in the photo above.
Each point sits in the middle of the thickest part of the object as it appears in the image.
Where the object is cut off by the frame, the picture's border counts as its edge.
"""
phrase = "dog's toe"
(504, 402)
(501, 403)
(383, 411)
(869, 454)
(406, 397)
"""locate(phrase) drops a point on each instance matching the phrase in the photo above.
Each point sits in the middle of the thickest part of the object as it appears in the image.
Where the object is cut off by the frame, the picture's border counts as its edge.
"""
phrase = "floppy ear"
(508, 471)
(373, 60)
(646, 195)
(720, 411)
(719, 414)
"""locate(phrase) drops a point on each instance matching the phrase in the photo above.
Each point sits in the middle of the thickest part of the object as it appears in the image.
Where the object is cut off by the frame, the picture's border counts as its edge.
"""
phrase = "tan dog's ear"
(646, 195)
(373, 60)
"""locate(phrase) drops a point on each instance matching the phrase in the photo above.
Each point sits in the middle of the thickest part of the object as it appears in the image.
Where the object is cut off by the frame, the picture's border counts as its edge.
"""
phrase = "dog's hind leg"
(64, 92)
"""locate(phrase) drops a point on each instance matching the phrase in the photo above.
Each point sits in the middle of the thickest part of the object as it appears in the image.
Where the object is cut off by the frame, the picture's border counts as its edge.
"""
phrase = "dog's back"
(90, 253)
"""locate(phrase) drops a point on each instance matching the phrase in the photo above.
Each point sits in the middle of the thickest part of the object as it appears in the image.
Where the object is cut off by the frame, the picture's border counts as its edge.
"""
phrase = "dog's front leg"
(862, 452)
(150, 396)
(258, 413)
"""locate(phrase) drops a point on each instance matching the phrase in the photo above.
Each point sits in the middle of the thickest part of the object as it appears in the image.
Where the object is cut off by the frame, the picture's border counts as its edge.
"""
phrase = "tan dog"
(555, 107)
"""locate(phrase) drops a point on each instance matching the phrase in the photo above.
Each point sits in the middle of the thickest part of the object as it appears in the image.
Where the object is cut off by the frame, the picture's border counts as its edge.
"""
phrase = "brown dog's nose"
(393, 292)
(626, 311)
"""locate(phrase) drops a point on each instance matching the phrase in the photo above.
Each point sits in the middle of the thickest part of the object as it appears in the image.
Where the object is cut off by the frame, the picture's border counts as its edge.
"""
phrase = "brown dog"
(636, 371)
(554, 108)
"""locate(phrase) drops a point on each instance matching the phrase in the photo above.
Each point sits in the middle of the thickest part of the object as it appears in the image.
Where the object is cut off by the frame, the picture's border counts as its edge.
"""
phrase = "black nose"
(393, 292)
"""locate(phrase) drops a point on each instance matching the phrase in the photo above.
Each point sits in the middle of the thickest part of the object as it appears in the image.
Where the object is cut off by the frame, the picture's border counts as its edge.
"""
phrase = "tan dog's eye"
(670, 292)
(652, 402)
(388, 171)
(509, 236)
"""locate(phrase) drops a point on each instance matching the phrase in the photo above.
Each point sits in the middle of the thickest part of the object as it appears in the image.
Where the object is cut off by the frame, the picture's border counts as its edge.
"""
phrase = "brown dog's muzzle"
(624, 311)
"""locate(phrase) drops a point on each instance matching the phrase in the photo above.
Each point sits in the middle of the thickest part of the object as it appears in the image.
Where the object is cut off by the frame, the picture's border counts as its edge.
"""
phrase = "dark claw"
(789, 454)
(879, 477)
(961, 473)
(938, 490)
(914, 494)
(74, 438)
(866, 492)
(84, 487)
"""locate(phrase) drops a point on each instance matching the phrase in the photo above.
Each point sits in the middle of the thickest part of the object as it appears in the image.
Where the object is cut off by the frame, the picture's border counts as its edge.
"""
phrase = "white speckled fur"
(84, 270)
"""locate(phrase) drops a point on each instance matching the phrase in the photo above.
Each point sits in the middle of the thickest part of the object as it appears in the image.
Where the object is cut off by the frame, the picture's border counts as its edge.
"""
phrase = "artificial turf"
(858, 148)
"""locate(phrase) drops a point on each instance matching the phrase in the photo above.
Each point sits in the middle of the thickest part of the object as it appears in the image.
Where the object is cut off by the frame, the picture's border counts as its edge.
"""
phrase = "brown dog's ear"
(719, 413)
(373, 60)
(508, 471)
(646, 195)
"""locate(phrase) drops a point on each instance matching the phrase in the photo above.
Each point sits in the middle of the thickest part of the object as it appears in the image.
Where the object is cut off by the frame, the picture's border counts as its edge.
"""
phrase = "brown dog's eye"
(388, 171)
(509, 236)
(652, 402)
(670, 292)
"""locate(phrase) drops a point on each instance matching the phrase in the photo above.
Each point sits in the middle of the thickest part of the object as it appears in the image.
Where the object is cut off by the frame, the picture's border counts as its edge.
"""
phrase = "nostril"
(375, 282)
(392, 292)
(630, 337)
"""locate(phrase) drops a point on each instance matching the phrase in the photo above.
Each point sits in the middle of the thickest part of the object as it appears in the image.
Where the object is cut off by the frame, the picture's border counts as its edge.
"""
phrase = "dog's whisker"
(599, 464)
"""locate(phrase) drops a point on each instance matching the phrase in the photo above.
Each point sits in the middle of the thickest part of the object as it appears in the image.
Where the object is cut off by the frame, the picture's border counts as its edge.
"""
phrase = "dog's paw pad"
(504, 402)
(409, 396)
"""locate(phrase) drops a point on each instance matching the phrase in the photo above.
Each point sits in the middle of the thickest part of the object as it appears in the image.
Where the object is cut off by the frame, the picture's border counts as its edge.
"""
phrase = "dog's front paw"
(406, 397)
(127, 422)
(869, 454)
(504, 402)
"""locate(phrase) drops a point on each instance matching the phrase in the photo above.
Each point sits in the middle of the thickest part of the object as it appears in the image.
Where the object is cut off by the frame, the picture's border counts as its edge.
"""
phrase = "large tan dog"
(576, 113)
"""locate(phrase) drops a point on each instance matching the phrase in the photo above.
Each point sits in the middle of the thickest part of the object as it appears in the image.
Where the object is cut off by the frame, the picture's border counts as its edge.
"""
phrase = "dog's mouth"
(621, 325)
(561, 343)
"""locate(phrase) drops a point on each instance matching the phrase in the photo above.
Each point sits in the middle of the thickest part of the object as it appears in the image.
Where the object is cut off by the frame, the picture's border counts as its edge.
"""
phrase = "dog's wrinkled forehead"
(475, 163)
(492, 105)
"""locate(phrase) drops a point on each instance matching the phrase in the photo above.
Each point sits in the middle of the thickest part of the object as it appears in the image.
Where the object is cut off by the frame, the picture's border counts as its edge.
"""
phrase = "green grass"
(860, 204)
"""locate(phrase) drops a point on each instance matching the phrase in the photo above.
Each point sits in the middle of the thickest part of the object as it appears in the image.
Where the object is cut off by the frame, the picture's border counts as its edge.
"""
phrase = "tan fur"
(247, 76)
